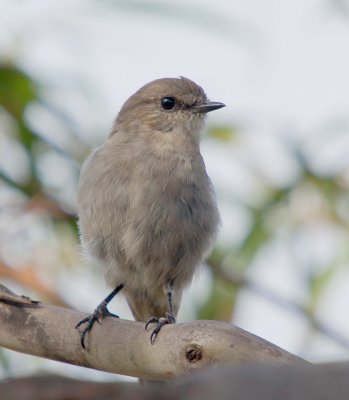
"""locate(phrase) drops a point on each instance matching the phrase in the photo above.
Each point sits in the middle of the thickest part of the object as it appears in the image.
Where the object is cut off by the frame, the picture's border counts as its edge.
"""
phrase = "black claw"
(169, 319)
(82, 339)
(156, 331)
(90, 320)
(153, 337)
(99, 313)
(112, 315)
(151, 320)
(81, 322)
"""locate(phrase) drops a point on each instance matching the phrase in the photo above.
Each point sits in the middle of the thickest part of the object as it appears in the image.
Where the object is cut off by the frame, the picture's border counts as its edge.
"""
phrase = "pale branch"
(123, 347)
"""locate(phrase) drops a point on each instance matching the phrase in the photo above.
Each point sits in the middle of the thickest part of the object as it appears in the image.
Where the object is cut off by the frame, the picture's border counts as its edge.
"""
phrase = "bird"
(147, 209)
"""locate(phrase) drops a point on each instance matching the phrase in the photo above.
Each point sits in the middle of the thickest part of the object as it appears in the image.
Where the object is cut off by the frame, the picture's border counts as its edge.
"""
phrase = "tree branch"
(123, 347)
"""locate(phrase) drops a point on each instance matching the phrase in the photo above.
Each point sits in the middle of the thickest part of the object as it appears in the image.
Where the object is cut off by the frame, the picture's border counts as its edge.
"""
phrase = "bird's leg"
(99, 313)
(169, 316)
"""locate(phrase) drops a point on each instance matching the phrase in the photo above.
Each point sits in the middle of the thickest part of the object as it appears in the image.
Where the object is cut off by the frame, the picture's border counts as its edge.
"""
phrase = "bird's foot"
(99, 313)
(160, 322)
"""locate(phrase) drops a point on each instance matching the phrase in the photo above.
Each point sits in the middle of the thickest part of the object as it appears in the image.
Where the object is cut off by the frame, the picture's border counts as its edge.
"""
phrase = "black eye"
(167, 103)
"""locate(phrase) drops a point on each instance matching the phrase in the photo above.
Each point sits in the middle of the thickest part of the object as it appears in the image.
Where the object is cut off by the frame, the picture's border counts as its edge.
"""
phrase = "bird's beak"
(207, 107)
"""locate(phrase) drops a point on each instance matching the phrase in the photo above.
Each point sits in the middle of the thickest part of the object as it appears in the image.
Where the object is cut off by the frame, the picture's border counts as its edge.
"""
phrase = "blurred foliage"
(341, 6)
(223, 133)
(261, 232)
(18, 91)
(330, 193)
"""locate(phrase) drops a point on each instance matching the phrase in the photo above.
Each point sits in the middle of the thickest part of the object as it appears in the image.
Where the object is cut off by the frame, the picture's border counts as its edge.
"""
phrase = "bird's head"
(167, 105)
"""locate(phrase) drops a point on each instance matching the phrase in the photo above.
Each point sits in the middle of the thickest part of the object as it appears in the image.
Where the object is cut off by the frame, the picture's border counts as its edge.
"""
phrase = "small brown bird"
(147, 211)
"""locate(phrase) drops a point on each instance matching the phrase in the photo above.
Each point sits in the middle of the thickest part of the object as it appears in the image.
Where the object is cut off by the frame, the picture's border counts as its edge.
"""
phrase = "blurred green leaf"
(222, 133)
(221, 302)
(260, 232)
(16, 90)
(318, 282)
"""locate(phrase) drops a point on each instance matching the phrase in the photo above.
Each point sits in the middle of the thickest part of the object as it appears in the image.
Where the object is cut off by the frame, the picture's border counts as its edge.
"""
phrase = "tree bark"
(123, 347)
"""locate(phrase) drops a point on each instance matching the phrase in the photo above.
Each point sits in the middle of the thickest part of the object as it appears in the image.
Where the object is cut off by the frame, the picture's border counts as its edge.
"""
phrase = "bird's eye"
(167, 103)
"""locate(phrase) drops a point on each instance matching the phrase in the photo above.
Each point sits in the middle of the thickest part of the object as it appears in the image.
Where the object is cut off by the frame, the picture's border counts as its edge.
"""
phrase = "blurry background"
(277, 154)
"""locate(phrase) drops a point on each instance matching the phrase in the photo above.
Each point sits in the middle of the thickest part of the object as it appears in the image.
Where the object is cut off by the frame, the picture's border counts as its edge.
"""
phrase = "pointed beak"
(207, 107)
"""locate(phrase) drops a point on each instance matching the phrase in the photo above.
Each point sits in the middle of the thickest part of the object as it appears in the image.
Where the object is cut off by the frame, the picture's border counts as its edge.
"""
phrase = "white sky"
(282, 60)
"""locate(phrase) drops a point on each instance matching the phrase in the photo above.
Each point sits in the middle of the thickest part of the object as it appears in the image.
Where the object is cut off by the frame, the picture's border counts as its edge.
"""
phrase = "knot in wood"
(193, 353)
